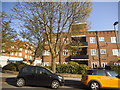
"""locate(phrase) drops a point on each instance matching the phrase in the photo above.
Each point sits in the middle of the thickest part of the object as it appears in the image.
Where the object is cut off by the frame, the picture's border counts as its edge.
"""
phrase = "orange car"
(96, 79)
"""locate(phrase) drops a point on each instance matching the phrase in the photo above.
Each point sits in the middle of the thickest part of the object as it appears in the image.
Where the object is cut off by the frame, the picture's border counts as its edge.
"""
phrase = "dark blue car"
(35, 75)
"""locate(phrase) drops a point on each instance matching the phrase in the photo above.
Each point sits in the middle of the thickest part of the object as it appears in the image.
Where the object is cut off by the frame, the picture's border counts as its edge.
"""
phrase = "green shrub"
(10, 66)
(71, 67)
(115, 68)
(14, 66)
(103, 68)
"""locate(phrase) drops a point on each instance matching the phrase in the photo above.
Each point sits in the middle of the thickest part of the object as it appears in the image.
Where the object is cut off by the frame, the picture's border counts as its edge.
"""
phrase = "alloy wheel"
(55, 84)
(20, 82)
(94, 86)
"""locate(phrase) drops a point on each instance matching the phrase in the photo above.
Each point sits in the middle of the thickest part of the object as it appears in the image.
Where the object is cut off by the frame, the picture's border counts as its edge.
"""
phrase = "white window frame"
(116, 52)
(20, 54)
(11, 53)
(113, 39)
(16, 54)
(101, 39)
(25, 56)
(20, 49)
(30, 57)
(26, 51)
(102, 51)
(103, 64)
(65, 52)
(46, 53)
(92, 40)
(93, 52)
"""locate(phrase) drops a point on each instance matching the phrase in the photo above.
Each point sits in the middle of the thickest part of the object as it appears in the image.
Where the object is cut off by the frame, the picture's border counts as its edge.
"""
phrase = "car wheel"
(20, 82)
(94, 85)
(55, 84)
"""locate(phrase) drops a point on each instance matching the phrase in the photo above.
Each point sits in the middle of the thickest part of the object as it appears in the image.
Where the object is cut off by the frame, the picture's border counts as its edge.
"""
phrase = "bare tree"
(45, 20)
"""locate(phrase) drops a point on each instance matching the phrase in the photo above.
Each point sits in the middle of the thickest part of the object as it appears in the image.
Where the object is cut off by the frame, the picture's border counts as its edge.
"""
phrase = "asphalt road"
(8, 83)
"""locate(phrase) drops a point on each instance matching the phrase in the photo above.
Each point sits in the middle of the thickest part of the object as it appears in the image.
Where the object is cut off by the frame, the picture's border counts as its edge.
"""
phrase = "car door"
(43, 76)
(114, 81)
(30, 75)
(29, 72)
(102, 78)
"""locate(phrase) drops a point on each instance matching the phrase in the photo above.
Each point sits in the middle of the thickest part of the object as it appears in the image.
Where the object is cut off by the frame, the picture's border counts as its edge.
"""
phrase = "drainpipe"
(98, 48)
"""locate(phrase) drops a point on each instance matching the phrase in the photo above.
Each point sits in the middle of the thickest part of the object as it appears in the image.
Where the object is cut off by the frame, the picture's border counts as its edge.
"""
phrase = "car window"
(45, 71)
(92, 72)
(40, 70)
(28, 70)
(101, 73)
(89, 72)
(111, 74)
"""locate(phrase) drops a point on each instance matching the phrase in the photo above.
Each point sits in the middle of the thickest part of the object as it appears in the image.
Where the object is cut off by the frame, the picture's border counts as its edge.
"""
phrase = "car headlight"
(60, 78)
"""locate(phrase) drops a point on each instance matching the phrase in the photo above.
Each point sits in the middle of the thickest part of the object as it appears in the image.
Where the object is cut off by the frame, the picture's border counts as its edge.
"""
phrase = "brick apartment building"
(90, 53)
(25, 53)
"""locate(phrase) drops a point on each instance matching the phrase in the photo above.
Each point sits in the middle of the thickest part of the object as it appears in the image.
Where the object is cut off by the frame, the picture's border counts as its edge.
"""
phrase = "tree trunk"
(53, 64)
(60, 60)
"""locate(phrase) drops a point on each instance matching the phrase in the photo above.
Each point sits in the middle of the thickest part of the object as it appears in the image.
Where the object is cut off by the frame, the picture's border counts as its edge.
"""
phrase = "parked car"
(35, 75)
(95, 79)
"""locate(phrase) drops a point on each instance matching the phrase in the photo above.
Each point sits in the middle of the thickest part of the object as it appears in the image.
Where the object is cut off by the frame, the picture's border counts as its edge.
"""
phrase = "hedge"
(115, 68)
(14, 66)
(71, 67)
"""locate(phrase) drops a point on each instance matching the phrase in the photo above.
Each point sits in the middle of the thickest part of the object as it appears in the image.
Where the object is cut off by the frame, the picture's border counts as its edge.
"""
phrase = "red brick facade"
(90, 53)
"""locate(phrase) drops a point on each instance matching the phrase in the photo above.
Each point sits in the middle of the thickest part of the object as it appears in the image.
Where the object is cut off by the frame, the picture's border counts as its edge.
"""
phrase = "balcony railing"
(81, 44)
(79, 57)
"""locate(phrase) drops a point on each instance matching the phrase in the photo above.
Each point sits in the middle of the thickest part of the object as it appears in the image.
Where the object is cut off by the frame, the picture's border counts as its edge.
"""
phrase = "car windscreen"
(112, 73)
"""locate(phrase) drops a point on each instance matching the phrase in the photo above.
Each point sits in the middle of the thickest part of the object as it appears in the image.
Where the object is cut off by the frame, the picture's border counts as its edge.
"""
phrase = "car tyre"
(20, 82)
(94, 85)
(55, 84)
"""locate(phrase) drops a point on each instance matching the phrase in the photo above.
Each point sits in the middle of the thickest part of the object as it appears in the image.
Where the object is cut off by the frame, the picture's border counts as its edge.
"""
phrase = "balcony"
(80, 57)
(82, 44)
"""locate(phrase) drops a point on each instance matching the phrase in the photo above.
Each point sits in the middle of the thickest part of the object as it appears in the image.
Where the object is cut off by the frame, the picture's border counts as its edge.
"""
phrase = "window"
(112, 74)
(46, 64)
(92, 39)
(3, 50)
(42, 71)
(104, 64)
(30, 57)
(46, 53)
(28, 70)
(11, 53)
(20, 49)
(65, 40)
(115, 51)
(25, 56)
(102, 51)
(16, 54)
(25, 51)
(46, 42)
(20, 54)
(65, 52)
(12, 47)
(113, 39)
(101, 73)
(101, 38)
(93, 51)
(94, 64)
